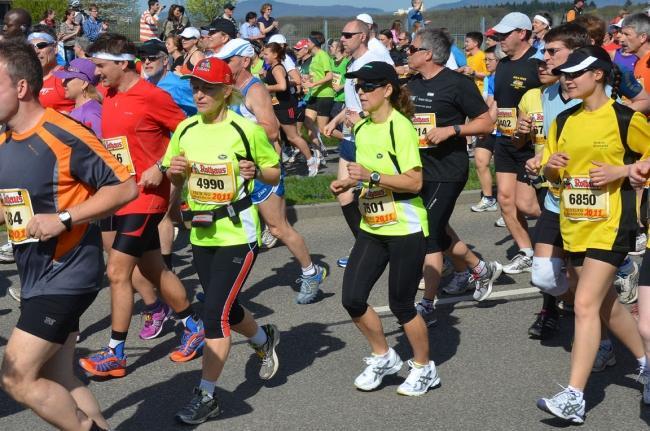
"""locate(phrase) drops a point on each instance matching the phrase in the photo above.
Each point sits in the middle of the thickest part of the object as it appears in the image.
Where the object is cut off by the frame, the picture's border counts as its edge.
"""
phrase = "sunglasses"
(348, 34)
(501, 36)
(368, 87)
(41, 45)
(573, 75)
(413, 50)
(551, 51)
(151, 58)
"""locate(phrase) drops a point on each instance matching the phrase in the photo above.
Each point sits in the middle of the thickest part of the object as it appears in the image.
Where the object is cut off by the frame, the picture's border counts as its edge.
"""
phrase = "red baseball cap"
(211, 70)
(301, 44)
(490, 32)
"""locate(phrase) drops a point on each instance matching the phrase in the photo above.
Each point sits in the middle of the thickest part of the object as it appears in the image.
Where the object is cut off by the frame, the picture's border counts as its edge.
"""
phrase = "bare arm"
(641, 103)
(406, 182)
(258, 100)
(281, 82)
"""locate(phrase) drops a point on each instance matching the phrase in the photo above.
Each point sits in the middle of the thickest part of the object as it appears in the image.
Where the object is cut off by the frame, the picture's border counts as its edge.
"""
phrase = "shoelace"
(147, 317)
(413, 377)
(106, 351)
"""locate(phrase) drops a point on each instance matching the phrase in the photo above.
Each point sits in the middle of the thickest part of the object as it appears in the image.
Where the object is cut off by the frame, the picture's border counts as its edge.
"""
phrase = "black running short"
(509, 159)
(614, 258)
(547, 229)
(286, 116)
(136, 234)
(439, 200)
(644, 276)
(486, 142)
(53, 317)
(322, 105)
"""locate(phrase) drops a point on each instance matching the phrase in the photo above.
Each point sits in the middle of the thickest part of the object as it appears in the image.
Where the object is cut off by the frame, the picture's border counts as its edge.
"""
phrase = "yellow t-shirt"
(530, 105)
(477, 63)
(591, 217)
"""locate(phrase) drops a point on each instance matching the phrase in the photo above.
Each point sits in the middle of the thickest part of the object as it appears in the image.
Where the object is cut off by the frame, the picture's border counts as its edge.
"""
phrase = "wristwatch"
(456, 129)
(161, 168)
(375, 177)
(66, 219)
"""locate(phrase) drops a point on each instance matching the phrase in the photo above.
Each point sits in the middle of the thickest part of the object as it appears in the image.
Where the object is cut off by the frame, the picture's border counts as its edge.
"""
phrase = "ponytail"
(615, 77)
(400, 99)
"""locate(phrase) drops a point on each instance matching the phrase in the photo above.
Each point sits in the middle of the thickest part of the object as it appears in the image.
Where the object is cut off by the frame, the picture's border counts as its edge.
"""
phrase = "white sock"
(207, 386)
(578, 392)
(259, 338)
(385, 355)
(528, 252)
(643, 362)
(309, 271)
(481, 269)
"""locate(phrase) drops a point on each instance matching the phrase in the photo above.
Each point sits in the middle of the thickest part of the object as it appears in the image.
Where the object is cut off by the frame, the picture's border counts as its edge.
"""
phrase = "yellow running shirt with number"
(385, 212)
(530, 106)
(597, 217)
(213, 180)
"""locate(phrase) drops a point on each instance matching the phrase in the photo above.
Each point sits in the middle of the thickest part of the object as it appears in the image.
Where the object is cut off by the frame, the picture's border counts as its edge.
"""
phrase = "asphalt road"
(491, 372)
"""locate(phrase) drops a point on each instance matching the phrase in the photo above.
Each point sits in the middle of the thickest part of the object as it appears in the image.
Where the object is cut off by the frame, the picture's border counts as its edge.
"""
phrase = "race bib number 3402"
(119, 148)
(507, 121)
(18, 211)
(212, 184)
(581, 200)
(423, 122)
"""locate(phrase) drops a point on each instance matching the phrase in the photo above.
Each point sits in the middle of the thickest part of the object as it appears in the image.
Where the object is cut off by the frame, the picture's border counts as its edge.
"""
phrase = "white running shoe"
(459, 284)
(564, 405)
(644, 379)
(312, 166)
(485, 205)
(483, 285)
(378, 368)
(428, 313)
(641, 243)
(604, 358)
(518, 264)
(14, 292)
(268, 240)
(7, 253)
(627, 285)
(419, 380)
(500, 222)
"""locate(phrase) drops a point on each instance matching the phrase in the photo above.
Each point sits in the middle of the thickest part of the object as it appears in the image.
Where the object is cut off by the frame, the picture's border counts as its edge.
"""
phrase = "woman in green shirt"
(393, 228)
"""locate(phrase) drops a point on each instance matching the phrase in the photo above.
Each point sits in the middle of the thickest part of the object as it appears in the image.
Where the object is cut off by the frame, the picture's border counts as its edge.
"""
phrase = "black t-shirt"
(452, 97)
(513, 79)
(399, 57)
(285, 99)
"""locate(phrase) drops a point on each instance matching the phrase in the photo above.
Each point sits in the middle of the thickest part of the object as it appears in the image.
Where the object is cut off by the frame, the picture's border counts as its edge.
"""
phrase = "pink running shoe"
(154, 321)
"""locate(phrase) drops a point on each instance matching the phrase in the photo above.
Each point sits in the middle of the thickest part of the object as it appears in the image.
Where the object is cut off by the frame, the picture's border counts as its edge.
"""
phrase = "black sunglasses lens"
(41, 45)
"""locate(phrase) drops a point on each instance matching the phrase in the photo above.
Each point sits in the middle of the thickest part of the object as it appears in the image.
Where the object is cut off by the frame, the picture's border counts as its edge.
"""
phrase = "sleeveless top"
(285, 99)
(241, 109)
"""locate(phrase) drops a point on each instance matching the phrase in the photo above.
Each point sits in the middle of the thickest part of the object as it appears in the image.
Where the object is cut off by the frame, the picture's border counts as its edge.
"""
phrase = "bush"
(37, 8)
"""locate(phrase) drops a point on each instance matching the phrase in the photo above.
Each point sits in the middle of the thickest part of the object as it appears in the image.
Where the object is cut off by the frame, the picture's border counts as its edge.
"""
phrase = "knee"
(506, 201)
(356, 307)
(278, 230)
(116, 274)
(404, 311)
(644, 325)
(549, 276)
(585, 308)
(13, 381)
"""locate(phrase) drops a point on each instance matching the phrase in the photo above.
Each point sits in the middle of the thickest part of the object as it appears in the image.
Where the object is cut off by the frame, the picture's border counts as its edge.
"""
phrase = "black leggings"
(222, 272)
(368, 259)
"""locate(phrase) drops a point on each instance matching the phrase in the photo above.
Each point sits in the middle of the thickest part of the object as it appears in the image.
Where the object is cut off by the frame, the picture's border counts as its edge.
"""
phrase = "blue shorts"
(348, 150)
(262, 191)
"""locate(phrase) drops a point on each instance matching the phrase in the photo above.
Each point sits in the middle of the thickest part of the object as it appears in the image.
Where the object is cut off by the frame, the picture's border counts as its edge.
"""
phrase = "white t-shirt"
(451, 63)
(288, 64)
(376, 46)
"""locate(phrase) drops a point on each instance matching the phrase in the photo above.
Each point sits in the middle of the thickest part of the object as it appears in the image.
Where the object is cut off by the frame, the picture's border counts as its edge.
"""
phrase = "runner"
(443, 99)
(58, 252)
(79, 81)
(225, 226)
(393, 228)
(257, 106)
(137, 137)
(597, 212)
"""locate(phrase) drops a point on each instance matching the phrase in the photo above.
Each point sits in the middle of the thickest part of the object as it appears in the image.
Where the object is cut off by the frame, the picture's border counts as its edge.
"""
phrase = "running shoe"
(292, 156)
(266, 352)
(641, 243)
(565, 306)
(104, 364)
(500, 222)
(485, 205)
(428, 313)
(14, 292)
(644, 379)
(201, 407)
(518, 264)
(7, 253)
(268, 240)
(544, 326)
(192, 342)
(604, 358)
(312, 166)
(310, 285)
(459, 284)
(483, 285)
(627, 285)
(342, 262)
(377, 368)
(154, 320)
(419, 380)
(565, 405)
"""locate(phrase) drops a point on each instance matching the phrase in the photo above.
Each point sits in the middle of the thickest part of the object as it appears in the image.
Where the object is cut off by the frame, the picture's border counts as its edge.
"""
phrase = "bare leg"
(515, 222)
(370, 326)
(482, 158)
(296, 140)
(416, 332)
(432, 271)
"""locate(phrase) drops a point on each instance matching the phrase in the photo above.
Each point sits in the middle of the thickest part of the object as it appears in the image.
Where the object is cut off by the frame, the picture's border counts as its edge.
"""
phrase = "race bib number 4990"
(212, 184)
(18, 211)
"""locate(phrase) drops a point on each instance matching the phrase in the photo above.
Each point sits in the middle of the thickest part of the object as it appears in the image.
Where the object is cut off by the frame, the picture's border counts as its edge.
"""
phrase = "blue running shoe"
(192, 342)
(342, 262)
(310, 285)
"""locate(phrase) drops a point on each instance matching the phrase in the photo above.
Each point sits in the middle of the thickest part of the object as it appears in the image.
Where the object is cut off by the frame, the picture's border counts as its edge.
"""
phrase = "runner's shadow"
(5, 283)
(8, 406)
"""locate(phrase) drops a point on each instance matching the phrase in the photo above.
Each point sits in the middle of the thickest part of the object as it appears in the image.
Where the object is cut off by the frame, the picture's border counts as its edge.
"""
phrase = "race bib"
(274, 99)
(506, 121)
(424, 122)
(539, 138)
(119, 148)
(212, 184)
(378, 207)
(337, 79)
(18, 211)
(584, 201)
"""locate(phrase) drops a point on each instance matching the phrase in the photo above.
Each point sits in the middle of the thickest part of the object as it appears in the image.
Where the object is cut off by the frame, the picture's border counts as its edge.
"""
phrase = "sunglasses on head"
(41, 45)
(573, 75)
(368, 87)
(349, 34)
(413, 50)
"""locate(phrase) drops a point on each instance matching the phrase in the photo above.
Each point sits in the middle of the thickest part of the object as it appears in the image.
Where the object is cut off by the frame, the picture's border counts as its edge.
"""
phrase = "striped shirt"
(148, 26)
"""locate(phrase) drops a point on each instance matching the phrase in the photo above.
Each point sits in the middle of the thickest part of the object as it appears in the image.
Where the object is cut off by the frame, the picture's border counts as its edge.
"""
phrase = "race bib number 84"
(18, 211)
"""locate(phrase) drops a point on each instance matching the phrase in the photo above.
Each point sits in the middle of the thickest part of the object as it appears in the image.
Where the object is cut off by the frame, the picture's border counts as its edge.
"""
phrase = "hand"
(151, 178)
(358, 172)
(468, 71)
(351, 118)
(45, 226)
(534, 165)
(558, 161)
(276, 24)
(437, 135)
(247, 169)
(339, 186)
(329, 129)
(524, 126)
(604, 174)
(104, 26)
(639, 173)
(306, 83)
(178, 165)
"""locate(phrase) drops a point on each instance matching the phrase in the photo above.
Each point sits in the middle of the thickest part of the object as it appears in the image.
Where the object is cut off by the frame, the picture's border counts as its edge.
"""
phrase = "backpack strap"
(247, 147)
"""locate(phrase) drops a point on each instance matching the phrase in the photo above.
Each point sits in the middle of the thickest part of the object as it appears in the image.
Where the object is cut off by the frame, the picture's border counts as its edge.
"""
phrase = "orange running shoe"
(104, 364)
(192, 342)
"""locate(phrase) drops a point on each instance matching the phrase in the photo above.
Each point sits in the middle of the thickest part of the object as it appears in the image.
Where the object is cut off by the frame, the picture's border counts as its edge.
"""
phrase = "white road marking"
(456, 299)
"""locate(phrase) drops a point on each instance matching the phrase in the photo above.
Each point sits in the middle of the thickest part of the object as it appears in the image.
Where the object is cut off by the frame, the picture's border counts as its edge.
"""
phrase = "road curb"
(332, 209)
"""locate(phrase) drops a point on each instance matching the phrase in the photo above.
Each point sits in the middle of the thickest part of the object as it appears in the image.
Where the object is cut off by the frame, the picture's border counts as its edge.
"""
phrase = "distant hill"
(486, 3)
(286, 9)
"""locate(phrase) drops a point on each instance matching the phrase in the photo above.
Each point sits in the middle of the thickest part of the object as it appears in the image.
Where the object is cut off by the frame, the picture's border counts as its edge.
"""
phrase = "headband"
(315, 41)
(38, 35)
(542, 19)
(114, 57)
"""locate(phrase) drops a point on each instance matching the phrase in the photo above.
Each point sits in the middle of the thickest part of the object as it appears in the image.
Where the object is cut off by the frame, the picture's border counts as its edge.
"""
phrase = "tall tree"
(206, 10)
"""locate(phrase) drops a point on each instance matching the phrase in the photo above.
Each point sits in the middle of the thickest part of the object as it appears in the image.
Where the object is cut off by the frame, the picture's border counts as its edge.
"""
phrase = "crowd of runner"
(194, 128)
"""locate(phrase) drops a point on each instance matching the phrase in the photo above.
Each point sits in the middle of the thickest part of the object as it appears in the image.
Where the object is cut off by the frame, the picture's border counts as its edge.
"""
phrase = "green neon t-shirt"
(339, 71)
(320, 65)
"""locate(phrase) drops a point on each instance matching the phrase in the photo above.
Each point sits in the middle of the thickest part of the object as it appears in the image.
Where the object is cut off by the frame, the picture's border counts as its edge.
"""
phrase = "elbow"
(416, 185)
(130, 191)
(271, 176)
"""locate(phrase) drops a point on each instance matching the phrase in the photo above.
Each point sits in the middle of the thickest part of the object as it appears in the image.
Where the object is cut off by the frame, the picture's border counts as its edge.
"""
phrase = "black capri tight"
(222, 272)
(368, 259)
